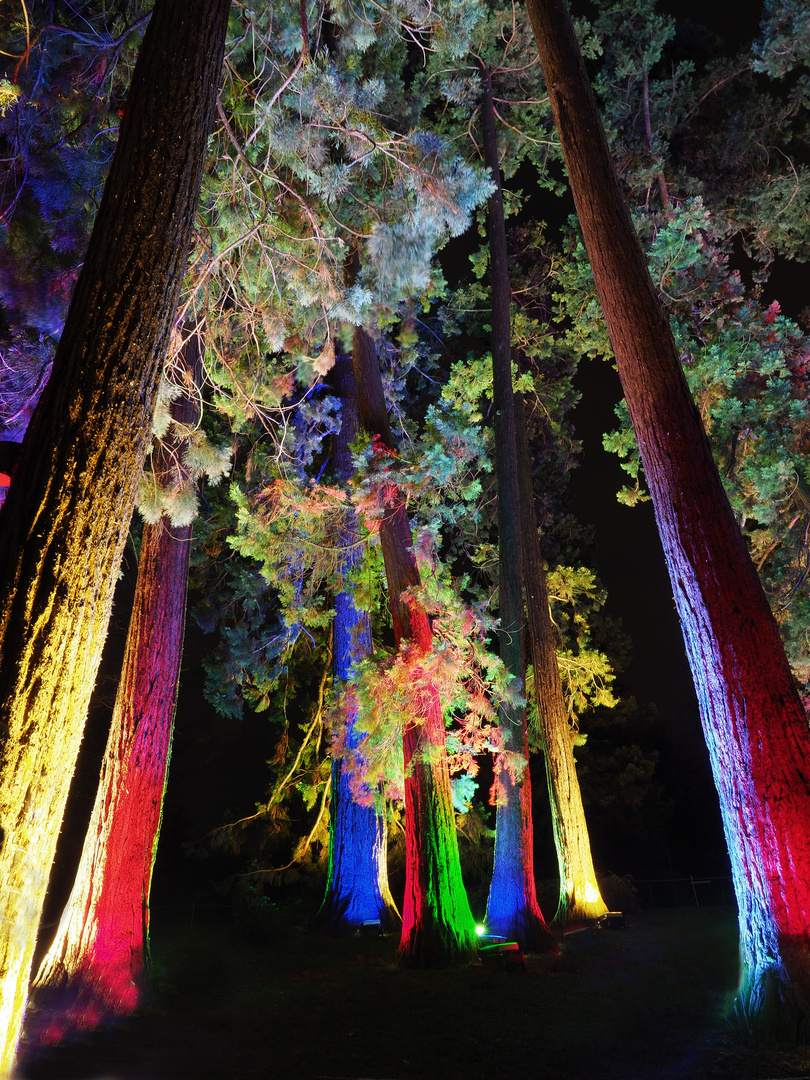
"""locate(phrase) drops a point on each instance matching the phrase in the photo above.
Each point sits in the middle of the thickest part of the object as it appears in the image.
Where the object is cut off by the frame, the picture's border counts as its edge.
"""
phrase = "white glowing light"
(590, 893)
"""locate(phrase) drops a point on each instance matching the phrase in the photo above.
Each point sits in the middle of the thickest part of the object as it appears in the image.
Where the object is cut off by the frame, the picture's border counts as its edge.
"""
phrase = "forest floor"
(274, 1001)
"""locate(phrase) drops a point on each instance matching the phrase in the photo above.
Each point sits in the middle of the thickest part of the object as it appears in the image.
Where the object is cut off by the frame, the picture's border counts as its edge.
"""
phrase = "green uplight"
(480, 930)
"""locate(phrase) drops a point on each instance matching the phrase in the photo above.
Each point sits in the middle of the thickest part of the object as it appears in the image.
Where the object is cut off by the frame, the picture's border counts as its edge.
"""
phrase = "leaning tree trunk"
(437, 924)
(579, 891)
(95, 965)
(66, 516)
(357, 890)
(512, 907)
(753, 720)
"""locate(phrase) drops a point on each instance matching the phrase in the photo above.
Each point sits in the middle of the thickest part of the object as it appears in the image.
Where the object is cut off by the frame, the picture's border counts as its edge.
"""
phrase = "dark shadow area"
(268, 999)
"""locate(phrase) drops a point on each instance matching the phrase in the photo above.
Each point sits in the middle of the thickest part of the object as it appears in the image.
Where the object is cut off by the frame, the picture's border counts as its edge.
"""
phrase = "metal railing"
(684, 891)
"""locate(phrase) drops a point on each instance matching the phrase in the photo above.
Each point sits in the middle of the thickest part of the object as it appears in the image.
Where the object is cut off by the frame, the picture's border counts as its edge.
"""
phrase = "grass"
(646, 1003)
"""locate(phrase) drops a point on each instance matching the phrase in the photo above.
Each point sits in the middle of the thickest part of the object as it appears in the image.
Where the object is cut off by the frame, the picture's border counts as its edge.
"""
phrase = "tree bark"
(753, 720)
(512, 907)
(357, 890)
(65, 519)
(579, 891)
(437, 924)
(95, 965)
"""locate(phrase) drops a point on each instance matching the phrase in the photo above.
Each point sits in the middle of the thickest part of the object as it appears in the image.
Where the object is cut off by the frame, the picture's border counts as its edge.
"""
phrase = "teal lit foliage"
(644, 96)
(502, 42)
(254, 664)
(744, 361)
(439, 471)
(784, 43)
(64, 82)
(201, 460)
(782, 202)
(747, 366)
(310, 165)
(730, 129)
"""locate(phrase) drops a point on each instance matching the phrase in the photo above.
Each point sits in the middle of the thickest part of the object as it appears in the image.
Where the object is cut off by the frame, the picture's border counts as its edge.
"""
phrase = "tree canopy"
(343, 206)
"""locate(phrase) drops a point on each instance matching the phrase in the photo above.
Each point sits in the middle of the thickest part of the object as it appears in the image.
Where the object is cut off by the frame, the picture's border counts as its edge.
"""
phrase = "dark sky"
(737, 24)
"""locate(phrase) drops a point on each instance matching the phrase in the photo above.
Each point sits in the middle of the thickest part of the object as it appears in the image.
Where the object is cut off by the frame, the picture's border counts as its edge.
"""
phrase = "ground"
(265, 997)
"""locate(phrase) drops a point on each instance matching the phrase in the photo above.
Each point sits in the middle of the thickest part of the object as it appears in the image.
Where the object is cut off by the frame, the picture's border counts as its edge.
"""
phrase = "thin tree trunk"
(357, 889)
(437, 924)
(579, 891)
(66, 515)
(512, 907)
(753, 720)
(95, 965)
(663, 190)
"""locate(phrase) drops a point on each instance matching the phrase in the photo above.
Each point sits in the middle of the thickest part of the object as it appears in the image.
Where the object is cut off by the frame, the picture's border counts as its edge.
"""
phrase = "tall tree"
(357, 888)
(65, 520)
(579, 897)
(516, 122)
(95, 965)
(437, 923)
(512, 907)
(753, 720)
(726, 133)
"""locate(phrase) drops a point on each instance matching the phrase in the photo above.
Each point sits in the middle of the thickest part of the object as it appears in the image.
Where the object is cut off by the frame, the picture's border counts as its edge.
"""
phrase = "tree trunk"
(579, 892)
(66, 515)
(357, 889)
(437, 924)
(512, 907)
(95, 965)
(753, 720)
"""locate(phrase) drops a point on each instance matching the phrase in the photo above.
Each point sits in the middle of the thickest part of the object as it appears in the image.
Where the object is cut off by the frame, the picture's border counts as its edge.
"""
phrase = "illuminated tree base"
(525, 925)
(583, 902)
(95, 964)
(437, 924)
(96, 996)
(512, 908)
(357, 893)
(767, 1006)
